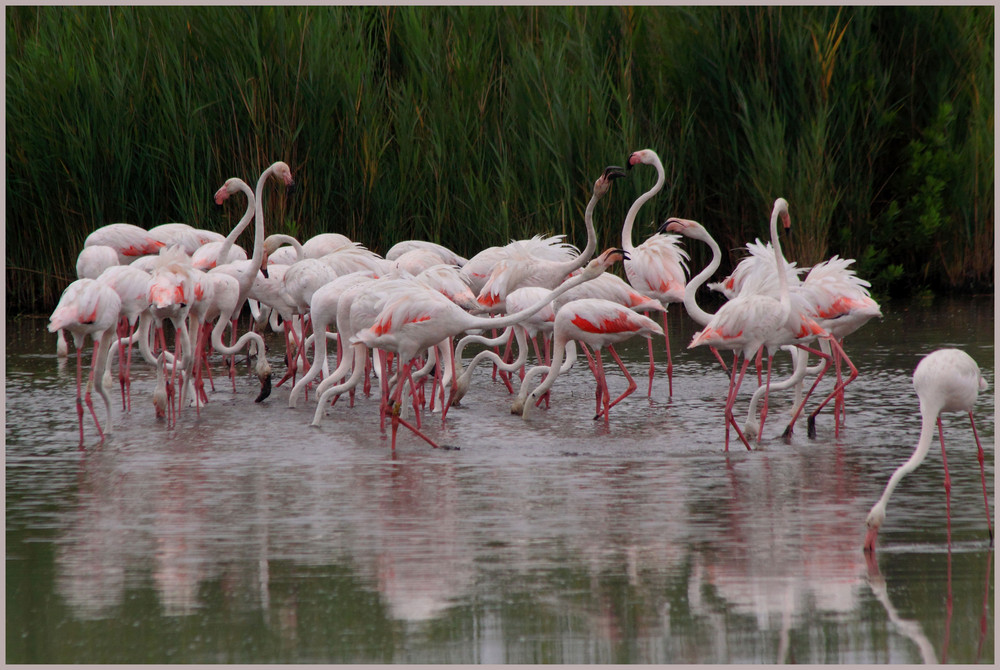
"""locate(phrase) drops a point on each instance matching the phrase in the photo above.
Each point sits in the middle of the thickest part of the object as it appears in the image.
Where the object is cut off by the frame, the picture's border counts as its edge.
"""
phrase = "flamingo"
(90, 263)
(88, 307)
(478, 268)
(596, 322)
(522, 268)
(171, 295)
(416, 321)
(323, 306)
(246, 271)
(132, 287)
(841, 304)
(731, 287)
(448, 256)
(657, 267)
(185, 236)
(749, 320)
(946, 380)
(128, 240)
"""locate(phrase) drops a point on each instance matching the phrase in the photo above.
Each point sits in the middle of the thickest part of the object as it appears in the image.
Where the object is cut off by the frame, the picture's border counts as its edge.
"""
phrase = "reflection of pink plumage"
(946, 380)
(88, 307)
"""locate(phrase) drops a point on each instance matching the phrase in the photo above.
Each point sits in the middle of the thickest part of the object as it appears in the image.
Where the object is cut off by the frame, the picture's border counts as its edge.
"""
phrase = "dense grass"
(470, 126)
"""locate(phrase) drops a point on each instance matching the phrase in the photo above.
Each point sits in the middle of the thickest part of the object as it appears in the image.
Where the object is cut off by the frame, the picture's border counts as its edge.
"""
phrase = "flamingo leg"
(732, 400)
(603, 396)
(947, 481)
(79, 387)
(767, 391)
(649, 345)
(90, 383)
(798, 410)
(670, 360)
(632, 386)
(121, 331)
(128, 370)
(838, 389)
(982, 472)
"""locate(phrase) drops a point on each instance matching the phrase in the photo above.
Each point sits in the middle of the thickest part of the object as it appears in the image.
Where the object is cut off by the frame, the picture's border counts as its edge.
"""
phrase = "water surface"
(243, 535)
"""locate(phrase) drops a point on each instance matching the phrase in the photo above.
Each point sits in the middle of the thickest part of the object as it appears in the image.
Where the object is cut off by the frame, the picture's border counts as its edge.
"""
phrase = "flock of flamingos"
(414, 303)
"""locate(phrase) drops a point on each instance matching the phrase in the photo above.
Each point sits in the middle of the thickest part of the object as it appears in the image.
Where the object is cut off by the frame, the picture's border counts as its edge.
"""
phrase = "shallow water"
(244, 535)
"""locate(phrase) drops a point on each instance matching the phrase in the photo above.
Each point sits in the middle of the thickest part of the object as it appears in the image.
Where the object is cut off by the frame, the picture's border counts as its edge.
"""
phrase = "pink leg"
(603, 396)
(79, 390)
(947, 481)
(838, 389)
(767, 391)
(632, 386)
(652, 370)
(798, 410)
(982, 472)
(732, 400)
(90, 380)
(128, 371)
(670, 360)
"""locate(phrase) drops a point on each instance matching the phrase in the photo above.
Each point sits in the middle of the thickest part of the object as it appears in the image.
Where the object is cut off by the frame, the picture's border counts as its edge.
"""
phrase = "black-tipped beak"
(614, 172)
(663, 226)
(290, 189)
(623, 253)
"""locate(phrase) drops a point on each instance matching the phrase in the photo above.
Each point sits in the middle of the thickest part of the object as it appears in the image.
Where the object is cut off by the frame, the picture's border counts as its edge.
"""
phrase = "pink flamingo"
(596, 322)
(414, 322)
(187, 237)
(946, 380)
(88, 307)
(132, 287)
(748, 321)
(128, 240)
(657, 267)
(526, 269)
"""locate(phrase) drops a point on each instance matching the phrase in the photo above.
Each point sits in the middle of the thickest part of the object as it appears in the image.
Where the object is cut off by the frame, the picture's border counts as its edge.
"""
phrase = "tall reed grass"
(470, 126)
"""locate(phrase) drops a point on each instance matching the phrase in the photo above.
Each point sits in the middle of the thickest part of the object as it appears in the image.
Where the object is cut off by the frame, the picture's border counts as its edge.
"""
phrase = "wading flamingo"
(599, 323)
(412, 323)
(657, 267)
(88, 307)
(946, 380)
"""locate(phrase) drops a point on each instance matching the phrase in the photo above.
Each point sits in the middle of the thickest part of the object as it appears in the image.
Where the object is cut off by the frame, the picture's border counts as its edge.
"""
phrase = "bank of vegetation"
(470, 126)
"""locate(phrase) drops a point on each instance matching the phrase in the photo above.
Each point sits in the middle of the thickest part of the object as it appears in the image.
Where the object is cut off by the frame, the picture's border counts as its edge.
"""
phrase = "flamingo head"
(781, 209)
(231, 186)
(603, 183)
(875, 518)
(284, 173)
(685, 227)
(608, 258)
(644, 156)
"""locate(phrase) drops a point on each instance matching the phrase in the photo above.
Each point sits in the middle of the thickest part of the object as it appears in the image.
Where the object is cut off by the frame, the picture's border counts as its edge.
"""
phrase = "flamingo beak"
(614, 172)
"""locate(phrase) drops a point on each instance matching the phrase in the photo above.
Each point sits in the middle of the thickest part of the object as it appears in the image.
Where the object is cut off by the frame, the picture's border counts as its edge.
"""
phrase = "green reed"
(471, 126)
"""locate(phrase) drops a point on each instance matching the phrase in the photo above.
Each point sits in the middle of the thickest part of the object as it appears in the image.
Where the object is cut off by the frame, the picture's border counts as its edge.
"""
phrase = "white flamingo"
(946, 380)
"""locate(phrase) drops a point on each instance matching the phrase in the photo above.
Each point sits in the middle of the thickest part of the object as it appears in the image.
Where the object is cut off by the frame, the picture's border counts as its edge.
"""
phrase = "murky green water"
(245, 536)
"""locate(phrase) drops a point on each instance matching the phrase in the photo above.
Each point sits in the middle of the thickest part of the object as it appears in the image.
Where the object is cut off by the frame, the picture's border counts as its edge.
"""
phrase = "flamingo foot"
(812, 426)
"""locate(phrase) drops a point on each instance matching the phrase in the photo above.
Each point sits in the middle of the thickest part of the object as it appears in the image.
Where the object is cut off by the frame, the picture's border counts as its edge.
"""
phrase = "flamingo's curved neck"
(690, 301)
(258, 239)
(288, 239)
(234, 235)
(779, 258)
(639, 202)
